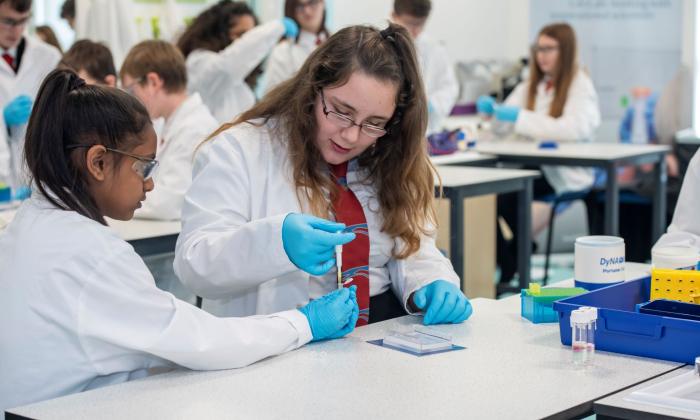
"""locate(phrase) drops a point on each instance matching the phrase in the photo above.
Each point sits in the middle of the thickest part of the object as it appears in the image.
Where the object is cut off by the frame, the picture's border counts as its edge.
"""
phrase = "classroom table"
(510, 368)
(148, 237)
(464, 158)
(617, 407)
(609, 156)
(459, 183)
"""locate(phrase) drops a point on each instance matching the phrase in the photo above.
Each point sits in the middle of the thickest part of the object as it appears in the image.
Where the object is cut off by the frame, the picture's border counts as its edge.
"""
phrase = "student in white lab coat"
(558, 103)
(342, 139)
(155, 72)
(289, 55)
(78, 307)
(685, 226)
(92, 61)
(222, 47)
(436, 67)
(26, 61)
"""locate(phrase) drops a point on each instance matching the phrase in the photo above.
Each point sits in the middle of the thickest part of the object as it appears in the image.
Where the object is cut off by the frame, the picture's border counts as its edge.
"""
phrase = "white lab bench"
(510, 369)
(148, 237)
(617, 407)
(608, 156)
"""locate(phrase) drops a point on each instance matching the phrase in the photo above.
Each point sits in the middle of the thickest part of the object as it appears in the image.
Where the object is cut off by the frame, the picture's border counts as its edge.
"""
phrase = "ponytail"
(69, 112)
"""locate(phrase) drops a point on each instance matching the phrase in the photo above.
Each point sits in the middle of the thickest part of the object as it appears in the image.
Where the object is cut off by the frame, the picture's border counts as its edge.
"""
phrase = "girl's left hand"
(442, 303)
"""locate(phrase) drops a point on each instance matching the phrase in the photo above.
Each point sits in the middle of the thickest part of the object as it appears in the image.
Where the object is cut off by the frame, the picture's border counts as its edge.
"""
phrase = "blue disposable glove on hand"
(506, 113)
(310, 242)
(333, 315)
(485, 104)
(18, 110)
(442, 303)
(291, 29)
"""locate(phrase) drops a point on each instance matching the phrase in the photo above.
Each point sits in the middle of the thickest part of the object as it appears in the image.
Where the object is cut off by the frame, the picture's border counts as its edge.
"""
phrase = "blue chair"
(557, 200)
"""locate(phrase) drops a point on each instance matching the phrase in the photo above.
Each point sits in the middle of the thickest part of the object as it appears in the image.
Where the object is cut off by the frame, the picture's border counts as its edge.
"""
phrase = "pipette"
(339, 264)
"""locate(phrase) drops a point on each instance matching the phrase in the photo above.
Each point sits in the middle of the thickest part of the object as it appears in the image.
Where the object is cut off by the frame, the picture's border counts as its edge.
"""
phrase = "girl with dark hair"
(78, 305)
(289, 55)
(222, 47)
(558, 103)
(343, 139)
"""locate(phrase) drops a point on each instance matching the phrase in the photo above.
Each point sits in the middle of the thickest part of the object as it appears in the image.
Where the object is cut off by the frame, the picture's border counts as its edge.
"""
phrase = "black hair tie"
(388, 33)
(77, 84)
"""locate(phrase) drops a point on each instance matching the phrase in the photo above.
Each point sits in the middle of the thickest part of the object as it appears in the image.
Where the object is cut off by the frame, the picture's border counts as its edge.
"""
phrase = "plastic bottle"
(639, 133)
(583, 324)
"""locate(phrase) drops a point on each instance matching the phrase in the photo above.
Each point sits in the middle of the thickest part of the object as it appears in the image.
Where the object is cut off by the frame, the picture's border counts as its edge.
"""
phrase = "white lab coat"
(186, 128)
(80, 310)
(37, 61)
(439, 78)
(230, 248)
(219, 77)
(685, 226)
(287, 58)
(578, 122)
(111, 22)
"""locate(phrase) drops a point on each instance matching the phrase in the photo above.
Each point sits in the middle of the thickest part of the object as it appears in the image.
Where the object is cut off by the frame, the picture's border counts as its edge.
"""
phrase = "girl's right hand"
(310, 242)
(333, 315)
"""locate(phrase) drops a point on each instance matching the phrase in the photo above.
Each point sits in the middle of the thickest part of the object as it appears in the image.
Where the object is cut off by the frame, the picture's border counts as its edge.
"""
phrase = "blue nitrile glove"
(333, 315)
(442, 303)
(291, 29)
(506, 113)
(485, 104)
(18, 110)
(310, 242)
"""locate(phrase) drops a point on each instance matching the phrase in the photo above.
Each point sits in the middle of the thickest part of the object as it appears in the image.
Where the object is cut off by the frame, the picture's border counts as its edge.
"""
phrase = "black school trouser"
(385, 306)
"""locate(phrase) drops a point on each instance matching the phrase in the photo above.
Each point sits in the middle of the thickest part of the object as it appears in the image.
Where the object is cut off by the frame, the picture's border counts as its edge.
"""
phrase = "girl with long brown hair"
(343, 140)
(289, 55)
(223, 47)
(558, 103)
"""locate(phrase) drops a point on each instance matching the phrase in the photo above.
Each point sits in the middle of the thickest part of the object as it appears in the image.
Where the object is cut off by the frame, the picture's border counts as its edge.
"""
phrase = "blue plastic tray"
(620, 329)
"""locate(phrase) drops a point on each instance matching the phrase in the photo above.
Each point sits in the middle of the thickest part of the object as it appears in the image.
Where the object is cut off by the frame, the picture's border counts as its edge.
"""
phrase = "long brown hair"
(398, 166)
(210, 29)
(565, 70)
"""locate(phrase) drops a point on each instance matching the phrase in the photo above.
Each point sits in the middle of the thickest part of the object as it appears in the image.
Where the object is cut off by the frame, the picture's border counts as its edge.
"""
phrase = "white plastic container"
(599, 261)
(676, 257)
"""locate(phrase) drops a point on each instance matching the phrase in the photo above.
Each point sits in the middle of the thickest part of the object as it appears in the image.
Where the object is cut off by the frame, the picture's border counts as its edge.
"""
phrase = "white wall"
(470, 29)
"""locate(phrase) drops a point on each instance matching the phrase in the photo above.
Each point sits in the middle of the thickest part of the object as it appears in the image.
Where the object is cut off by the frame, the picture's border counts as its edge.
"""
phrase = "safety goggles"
(143, 166)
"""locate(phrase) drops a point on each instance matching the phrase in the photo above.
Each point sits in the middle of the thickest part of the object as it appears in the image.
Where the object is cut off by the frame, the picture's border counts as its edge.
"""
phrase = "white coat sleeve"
(221, 250)
(123, 314)
(172, 179)
(279, 66)
(579, 119)
(443, 86)
(685, 226)
(4, 154)
(238, 59)
(424, 267)
(518, 96)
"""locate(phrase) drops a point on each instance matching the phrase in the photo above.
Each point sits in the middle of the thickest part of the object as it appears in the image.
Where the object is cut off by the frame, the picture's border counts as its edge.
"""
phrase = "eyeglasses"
(11, 23)
(143, 166)
(344, 121)
(312, 4)
(544, 49)
(130, 88)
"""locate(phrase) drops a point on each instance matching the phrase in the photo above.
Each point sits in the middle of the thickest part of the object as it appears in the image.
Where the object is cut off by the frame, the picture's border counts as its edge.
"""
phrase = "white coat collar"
(186, 108)
(308, 39)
